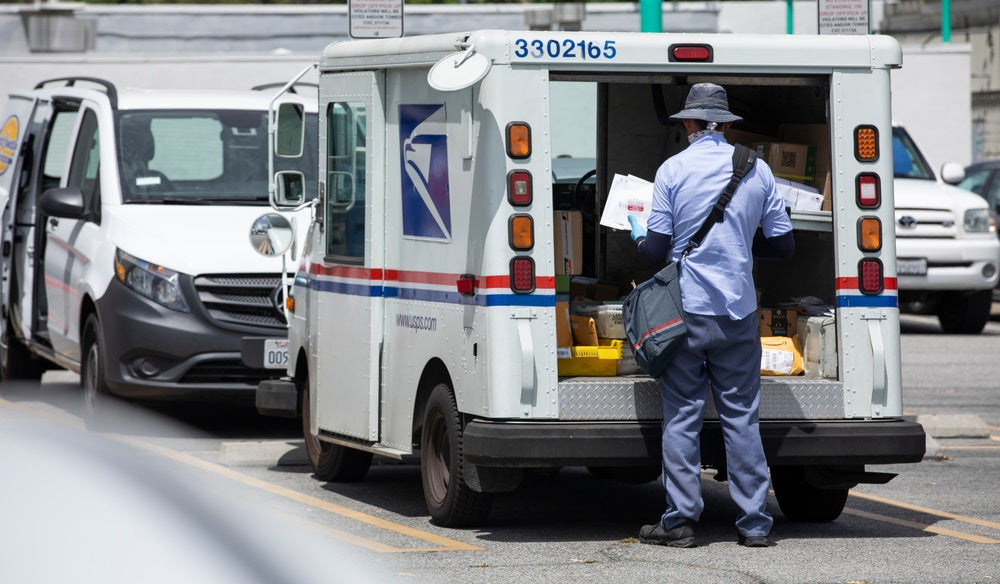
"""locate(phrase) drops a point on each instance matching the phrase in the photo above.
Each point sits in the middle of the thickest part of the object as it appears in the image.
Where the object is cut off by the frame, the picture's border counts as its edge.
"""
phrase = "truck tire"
(964, 313)
(16, 362)
(330, 462)
(801, 501)
(451, 502)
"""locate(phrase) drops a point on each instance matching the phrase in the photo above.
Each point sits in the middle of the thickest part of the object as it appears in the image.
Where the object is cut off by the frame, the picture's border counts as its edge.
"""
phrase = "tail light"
(518, 140)
(522, 275)
(869, 234)
(519, 188)
(870, 280)
(690, 53)
(466, 284)
(521, 233)
(868, 190)
(866, 143)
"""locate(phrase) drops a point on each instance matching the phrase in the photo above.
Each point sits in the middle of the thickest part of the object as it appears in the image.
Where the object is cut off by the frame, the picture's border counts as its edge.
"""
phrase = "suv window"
(202, 156)
(907, 161)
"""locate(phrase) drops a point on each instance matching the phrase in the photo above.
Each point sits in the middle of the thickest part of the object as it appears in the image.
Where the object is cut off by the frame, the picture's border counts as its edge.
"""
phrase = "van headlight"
(978, 221)
(159, 284)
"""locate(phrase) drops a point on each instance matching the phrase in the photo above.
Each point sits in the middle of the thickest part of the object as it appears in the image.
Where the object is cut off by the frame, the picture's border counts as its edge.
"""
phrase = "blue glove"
(637, 229)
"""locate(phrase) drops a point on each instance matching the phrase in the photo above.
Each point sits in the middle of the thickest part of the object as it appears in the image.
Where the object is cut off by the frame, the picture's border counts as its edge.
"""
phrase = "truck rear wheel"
(964, 313)
(451, 502)
(801, 501)
(330, 462)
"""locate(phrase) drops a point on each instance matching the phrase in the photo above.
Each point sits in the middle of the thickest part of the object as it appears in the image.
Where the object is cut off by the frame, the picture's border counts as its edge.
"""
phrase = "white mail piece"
(629, 195)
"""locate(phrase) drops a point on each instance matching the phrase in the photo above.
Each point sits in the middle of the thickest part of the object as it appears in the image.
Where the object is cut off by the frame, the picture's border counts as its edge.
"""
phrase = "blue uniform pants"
(722, 356)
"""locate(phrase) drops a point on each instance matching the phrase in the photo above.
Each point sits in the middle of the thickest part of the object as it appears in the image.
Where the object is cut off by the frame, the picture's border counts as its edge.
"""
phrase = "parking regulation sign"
(375, 18)
(844, 16)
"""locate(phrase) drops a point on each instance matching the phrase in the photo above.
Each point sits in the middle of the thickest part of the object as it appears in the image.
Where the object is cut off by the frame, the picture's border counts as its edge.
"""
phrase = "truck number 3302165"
(564, 49)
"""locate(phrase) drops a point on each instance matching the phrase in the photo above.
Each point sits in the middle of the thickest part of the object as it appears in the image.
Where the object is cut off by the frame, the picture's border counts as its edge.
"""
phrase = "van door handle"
(53, 222)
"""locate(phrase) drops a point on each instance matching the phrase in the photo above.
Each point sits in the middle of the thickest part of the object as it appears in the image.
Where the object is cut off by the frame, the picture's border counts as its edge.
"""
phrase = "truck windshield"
(202, 157)
(907, 161)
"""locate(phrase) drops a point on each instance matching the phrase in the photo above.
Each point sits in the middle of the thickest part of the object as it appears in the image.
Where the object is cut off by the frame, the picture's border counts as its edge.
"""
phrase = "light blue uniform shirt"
(717, 277)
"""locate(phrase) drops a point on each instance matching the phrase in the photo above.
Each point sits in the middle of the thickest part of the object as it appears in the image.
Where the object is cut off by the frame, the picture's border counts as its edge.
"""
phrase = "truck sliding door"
(350, 279)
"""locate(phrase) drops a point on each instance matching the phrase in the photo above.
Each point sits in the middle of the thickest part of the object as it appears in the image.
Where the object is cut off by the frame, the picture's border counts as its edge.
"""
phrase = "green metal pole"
(946, 21)
(650, 16)
(789, 17)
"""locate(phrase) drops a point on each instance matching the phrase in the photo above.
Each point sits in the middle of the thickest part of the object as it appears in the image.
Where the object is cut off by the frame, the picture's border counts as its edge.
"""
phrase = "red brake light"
(870, 279)
(690, 53)
(466, 284)
(522, 275)
(868, 190)
(519, 188)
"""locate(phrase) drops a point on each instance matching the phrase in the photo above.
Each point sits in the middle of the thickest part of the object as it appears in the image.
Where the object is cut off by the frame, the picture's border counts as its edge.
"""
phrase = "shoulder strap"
(743, 160)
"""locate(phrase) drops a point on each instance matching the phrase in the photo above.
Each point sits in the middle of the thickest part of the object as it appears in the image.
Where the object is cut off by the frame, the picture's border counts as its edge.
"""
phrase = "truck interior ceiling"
(619, 124)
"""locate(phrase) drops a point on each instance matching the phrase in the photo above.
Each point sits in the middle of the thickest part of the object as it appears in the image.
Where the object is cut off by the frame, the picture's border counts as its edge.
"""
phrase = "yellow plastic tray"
(599, 361)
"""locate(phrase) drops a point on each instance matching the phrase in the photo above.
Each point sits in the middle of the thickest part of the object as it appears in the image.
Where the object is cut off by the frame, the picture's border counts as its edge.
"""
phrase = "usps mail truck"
(456, 241)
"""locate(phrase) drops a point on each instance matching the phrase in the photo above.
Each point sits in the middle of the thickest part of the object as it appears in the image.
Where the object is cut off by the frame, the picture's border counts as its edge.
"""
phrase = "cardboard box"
(592, 289)
(827, 191)
(795, 162)
(564, 334)
(798, 196)
(735, 136)
(584, 330)
(815, 135)
(568, 235)
(777, 322)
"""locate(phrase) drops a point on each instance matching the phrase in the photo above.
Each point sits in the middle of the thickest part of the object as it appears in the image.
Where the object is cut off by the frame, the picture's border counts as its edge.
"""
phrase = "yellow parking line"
(973, 447)
(444, 543)
(922, 527)
(929, 511)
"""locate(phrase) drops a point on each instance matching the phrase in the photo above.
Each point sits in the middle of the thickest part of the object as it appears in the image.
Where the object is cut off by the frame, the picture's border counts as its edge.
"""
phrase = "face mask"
(709, 129)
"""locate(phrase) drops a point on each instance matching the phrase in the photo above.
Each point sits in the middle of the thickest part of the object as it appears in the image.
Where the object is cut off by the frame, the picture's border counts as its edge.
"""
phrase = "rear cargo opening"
(609, 125)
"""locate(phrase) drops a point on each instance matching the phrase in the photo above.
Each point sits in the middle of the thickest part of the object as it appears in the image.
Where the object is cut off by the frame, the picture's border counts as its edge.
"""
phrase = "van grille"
(244, 300)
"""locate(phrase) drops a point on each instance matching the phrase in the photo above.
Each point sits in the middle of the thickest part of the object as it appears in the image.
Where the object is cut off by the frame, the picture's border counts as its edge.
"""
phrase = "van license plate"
(275, 353)
(911, 267)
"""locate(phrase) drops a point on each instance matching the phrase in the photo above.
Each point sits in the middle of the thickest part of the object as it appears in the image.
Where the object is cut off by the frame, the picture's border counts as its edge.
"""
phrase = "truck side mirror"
(290, 188)
(952, 173)
(66, 203)
(291, 130)
(271, 234)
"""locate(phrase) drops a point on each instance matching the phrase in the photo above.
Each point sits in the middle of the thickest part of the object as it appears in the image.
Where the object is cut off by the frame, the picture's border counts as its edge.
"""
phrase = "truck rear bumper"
(548, 444)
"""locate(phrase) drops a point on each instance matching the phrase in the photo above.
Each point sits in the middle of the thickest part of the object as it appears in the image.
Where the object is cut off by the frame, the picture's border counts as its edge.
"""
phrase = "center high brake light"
(690, 53)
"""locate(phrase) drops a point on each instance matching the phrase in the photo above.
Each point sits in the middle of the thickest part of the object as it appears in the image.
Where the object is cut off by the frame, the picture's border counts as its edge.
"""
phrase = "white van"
(125, 220)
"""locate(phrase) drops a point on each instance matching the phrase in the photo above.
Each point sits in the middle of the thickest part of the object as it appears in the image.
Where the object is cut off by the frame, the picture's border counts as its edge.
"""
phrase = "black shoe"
(681, 536)
(754, 541)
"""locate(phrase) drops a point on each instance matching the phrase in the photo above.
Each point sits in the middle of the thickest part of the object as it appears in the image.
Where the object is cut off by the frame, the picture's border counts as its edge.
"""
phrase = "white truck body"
(425, 303)
(139, 280)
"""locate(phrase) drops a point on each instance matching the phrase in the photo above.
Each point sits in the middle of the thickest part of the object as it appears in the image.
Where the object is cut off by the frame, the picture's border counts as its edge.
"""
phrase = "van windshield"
(202, 157)
(907, 161)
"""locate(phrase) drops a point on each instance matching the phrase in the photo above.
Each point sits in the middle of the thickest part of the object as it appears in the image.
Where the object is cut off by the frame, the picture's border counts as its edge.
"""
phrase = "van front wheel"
(451, 502)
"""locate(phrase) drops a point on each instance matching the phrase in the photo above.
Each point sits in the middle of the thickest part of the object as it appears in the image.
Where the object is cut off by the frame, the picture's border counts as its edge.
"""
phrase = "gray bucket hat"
(706, 101)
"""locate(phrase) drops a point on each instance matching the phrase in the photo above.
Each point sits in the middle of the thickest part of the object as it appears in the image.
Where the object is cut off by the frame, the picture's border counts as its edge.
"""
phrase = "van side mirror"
(291, 130)
(290, 188)
(66, 203)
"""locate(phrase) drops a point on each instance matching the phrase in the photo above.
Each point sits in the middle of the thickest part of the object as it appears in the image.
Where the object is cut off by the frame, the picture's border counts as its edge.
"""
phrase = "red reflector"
(691, 53)
(519, 188)
(522, 275)
(466, 284)
(870, 279)
(869, 191)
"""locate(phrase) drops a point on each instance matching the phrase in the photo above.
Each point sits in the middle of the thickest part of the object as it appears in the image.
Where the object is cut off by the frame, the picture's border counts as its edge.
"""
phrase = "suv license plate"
(276, 353)
(915, 267)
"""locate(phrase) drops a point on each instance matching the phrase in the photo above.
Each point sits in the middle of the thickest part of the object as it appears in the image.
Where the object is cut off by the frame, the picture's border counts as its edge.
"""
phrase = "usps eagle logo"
(8, 143)
(423, 153)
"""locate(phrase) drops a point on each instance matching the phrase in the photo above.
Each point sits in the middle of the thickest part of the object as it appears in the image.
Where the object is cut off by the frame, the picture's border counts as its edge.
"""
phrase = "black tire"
(96, 397)
(964, 313)
(450, 501)
(630, 475)
(330, 462)
(16, 362)
(801, 501)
